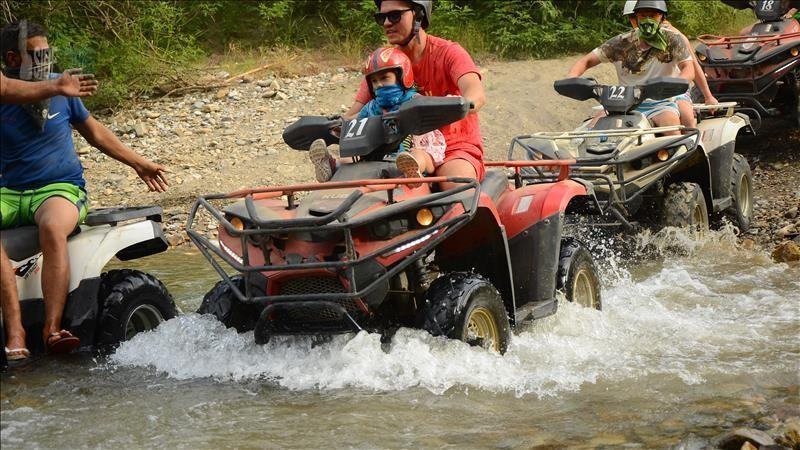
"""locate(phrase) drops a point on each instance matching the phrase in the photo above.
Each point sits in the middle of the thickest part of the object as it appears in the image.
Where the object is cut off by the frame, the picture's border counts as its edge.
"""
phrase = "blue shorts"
(652, 108)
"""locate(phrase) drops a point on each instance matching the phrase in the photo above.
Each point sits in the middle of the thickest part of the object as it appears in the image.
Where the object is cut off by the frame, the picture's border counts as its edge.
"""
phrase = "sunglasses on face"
(393, 16)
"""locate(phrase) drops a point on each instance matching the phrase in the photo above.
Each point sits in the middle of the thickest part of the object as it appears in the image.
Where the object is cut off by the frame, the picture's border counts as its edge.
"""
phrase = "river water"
(688, 345)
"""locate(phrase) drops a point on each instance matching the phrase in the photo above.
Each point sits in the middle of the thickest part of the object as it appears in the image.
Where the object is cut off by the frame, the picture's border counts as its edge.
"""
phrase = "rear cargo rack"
(618, 194)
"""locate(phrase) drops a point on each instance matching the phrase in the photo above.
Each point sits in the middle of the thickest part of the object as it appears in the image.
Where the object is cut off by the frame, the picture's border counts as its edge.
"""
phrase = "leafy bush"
(135, 45)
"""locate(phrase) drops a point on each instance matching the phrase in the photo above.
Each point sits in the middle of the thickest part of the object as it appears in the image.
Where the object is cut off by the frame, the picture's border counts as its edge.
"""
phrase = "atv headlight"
(663, 155)
(424, 217)
(701, 57)
(237, 223)
(794, 51)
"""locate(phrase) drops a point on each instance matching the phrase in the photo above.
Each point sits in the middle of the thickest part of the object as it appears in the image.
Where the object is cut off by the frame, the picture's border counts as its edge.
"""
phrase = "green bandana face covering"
(650, 32)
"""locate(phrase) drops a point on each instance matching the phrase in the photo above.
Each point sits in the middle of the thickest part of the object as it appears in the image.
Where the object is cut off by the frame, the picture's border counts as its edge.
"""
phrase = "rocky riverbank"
(226, 139)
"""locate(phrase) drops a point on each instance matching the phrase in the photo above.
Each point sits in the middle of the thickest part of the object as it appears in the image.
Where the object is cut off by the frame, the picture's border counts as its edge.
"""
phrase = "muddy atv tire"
(131, 302)
(466, 306)
(685, 207)
(577, 276)
(222, 303)
(741, 210)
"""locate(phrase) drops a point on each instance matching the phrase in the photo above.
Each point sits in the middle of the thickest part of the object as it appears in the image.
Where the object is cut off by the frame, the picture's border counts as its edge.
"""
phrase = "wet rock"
(607, 439)
(738, 438)
(210, 107)
(785, 231)
(787, 251)
(222, 93)
(175, 239)
(140, 129)
(748, 244)
(777, 165)
(788, 434)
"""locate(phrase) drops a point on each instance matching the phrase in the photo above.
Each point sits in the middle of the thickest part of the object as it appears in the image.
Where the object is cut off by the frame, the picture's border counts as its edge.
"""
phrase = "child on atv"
(391, 83)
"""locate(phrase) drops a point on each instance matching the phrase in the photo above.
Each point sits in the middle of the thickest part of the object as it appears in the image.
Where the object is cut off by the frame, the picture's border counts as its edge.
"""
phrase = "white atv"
(636, 174)
(102, 309)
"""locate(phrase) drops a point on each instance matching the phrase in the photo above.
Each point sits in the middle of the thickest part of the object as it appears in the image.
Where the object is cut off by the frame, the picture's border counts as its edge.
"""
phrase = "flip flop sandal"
(17, 354)
(62, 342)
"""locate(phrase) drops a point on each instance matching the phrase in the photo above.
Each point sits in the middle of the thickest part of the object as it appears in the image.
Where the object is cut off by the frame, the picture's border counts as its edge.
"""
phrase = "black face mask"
(36, 66)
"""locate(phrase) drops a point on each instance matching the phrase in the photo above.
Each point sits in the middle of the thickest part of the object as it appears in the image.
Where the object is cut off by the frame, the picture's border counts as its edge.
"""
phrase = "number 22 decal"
(617, 92)
(352, 131)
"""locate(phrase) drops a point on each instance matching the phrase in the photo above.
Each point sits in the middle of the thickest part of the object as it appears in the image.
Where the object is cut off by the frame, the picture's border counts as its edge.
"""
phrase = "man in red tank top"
(440, 68)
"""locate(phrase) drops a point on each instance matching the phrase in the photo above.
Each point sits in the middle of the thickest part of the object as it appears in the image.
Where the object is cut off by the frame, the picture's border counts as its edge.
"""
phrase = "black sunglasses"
(393, 16)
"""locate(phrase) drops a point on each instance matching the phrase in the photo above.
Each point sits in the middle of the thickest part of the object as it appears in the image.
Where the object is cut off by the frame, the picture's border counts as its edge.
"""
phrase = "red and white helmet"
(390, 58)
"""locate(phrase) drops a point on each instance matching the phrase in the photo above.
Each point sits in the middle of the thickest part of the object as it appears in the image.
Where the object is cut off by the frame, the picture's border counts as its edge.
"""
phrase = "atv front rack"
(618, 195)
(712, 40)
(467, 193)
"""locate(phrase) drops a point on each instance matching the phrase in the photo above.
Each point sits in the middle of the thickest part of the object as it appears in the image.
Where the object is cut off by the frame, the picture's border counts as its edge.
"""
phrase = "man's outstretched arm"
(99, 136)
(72, 83)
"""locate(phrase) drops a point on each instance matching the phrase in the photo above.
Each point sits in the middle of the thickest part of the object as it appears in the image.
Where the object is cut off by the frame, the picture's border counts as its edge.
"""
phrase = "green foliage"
(134, 45)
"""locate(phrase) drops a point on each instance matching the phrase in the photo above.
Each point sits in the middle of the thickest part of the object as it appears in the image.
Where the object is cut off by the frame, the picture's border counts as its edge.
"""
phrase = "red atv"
(760, 68)
(366, 251)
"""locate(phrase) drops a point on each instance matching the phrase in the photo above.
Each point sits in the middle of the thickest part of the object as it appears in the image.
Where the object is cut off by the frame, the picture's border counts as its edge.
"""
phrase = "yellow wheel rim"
(482, 329)
(700, 221)
(744, 197)
(584, 290)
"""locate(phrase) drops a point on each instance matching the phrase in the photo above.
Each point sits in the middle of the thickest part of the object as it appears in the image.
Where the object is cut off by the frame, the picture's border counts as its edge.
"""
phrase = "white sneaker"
(409, 167)
(322, 160)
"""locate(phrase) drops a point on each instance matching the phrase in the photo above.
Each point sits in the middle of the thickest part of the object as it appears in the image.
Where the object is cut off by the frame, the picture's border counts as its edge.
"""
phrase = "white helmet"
(629, 7)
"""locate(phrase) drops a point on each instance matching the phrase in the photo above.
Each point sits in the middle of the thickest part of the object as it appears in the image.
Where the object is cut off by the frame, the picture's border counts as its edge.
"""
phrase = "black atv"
(759, 68)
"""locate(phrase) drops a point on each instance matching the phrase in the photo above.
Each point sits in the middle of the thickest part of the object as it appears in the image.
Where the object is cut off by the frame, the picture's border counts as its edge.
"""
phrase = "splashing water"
(715, 310)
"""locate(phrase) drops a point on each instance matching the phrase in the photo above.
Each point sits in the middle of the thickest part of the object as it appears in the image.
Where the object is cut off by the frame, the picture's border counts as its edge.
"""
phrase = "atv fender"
(533, 218)
(718, 142)
(91, 249)
(718, 131)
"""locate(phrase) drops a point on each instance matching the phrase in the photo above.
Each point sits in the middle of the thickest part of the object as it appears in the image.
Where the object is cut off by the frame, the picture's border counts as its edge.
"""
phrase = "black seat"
(494, 183)
(21, 242)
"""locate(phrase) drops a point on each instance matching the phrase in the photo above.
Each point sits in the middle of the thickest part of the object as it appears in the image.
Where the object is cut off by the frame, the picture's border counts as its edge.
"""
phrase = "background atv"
(760, 68)
(367, 251)
(102, 309)
(635, 176)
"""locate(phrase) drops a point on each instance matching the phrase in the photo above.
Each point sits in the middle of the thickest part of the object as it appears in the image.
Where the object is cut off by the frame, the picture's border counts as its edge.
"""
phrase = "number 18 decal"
(352, 131)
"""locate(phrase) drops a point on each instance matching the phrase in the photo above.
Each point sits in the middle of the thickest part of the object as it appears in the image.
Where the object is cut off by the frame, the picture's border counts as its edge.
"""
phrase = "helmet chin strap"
(414, 32)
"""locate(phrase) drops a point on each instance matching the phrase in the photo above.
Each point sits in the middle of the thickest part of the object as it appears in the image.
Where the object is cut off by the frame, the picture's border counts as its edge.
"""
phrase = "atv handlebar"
(368, 136)
(621, 99)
